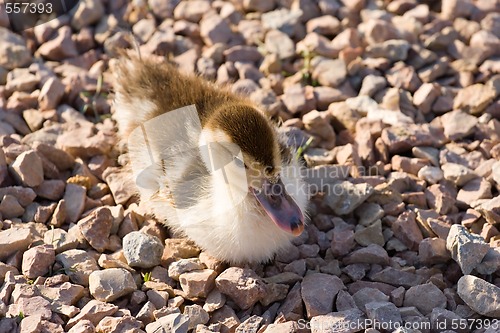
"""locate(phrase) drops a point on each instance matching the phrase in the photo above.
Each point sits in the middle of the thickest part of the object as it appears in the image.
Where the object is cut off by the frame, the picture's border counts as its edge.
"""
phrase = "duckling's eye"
(269, 170)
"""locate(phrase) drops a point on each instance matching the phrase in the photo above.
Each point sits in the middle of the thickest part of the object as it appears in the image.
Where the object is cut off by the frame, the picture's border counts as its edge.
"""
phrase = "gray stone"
(467, 249)
(344, 197)
(425, 298)
(14, 239)
(172, 323)
(14, 53)
(318, 292)
(78, 265)
(142, 250)
(87, 12)
(109, 284)
(479, 295)
(350, 321)
(28, 169)
(243, 286)
(385, 313)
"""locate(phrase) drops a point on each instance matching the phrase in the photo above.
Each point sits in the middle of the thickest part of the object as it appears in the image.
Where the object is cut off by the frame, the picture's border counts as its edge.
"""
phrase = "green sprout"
(146, 277)
(303, 148)
(92, 104)
(307, 68)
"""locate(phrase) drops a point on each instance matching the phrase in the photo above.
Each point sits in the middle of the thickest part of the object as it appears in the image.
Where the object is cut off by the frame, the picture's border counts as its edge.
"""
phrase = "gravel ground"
(400, 100)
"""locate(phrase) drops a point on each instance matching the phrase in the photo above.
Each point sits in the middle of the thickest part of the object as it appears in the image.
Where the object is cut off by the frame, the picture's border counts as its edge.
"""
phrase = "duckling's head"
(243, 141)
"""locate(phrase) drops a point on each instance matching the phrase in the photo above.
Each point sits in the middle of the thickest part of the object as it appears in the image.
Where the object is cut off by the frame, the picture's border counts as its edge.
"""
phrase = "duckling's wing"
(163, 149)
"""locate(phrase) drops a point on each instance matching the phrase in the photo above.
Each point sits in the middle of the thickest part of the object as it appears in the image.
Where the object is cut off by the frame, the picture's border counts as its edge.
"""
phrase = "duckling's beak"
(280, 206)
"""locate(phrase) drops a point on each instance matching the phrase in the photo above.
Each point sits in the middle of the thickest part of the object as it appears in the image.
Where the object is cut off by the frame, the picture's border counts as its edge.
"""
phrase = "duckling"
(208, 163)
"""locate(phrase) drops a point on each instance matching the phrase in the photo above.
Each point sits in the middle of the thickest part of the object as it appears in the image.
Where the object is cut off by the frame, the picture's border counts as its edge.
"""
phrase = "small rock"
(394, 50)
(318, 125)
(59, 157)
(372, 254)
(424, 97)
(279, 43)
(198, 283)
(125, 323)
(458, 124)
(296, 100)
(21, 80)
(60, 240)
(476, 189)
(344, 197)
(351, 321)
(38, 260)
(226, 319)
(433, 251)
(397, 277)
(242, 53)
(425, 298)
(172, 323)
(120, 185)
(330, 73)
(74, 198)
(327, 25)
(243, 286)
(479, 295)
(318, 292)
(192, 12)
(51, 189)
(31, 306)
(372, 84)
(400, 139)
(474, 98)
(439, 198)
(282, 19)
(31, 323)
(34, 119)
(61, 46)
(142, 250)
(288, 327)
(78, 265)
(94, 311)
(430, 174)
(87, 12)
(14, 239)
(28, 169)
(10, 207)
(405, 229)
(110, 284)
(490, 210)
(196, 315)
(59, 215)
(180, 248)
(292, 308)
(368, 213)
(467, 249)
(83, 326)
(14, 53)
(215, 300)
(181, 266)
(51, 94)
(490, 263)
(214, 29)
(258, 6)
(96, 228)
(385, 313)
(344, 301)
